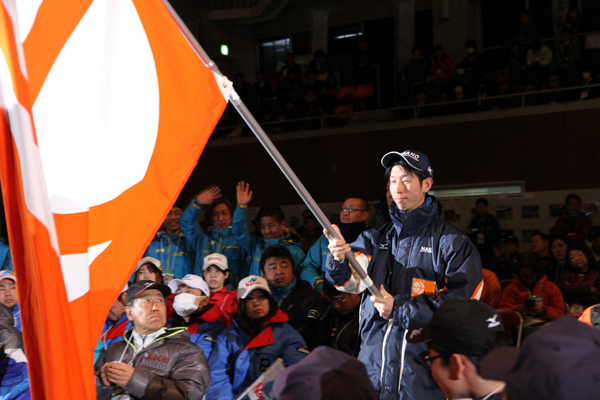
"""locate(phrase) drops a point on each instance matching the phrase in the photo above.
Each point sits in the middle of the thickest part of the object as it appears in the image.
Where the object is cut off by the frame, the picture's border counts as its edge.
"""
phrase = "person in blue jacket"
(5, 258)
(417, 261)
(273, 230)
(258, 337)
(115, 326)
(218, 238)
(171, 248)
(353, 217)
(193, 310)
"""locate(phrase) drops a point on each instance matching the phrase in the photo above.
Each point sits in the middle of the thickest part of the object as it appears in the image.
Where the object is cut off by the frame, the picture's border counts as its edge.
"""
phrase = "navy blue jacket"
(422, 261)
(236, 361)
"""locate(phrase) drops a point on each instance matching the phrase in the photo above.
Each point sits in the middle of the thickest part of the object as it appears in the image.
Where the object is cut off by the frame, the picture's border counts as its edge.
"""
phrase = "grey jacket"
(170, 368)
(10, 337)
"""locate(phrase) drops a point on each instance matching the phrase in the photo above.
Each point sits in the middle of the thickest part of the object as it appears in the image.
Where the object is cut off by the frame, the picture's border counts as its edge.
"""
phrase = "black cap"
(460, 326)
(511, 239)
(414, 158)
(137, 288)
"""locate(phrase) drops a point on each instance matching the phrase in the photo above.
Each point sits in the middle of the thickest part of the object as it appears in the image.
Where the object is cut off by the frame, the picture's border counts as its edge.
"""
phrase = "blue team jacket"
(173, 252)
(204, 328)
(422, 261)
(215, 240)
(236, 361)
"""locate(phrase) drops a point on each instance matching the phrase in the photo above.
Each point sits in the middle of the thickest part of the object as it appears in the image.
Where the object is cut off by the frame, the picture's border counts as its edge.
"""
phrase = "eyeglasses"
(427, 359)
(344, 209)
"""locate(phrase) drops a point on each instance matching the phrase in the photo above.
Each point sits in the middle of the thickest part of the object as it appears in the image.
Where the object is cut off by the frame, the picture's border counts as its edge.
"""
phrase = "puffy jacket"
(339, 331)
(304, 309)
(255, 246)
(215, 240)
(576, 229)
(313, 267)
(5, 258)
(171, 367)
(16, 312)
(227, 302)
(236, 361)
(516, 293)
(492, 291)
(14, 380)
(422, 261)
(174, 252)
(204, 327)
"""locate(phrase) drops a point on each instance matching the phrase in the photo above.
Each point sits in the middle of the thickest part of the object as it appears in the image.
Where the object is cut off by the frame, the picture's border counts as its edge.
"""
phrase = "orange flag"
(105, 111)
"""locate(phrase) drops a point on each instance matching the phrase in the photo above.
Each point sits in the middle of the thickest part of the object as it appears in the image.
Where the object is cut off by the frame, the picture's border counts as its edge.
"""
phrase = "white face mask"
(185, 304)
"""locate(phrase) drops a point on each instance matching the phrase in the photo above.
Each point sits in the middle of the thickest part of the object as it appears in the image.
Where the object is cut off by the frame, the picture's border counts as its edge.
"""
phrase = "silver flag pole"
(273, 152)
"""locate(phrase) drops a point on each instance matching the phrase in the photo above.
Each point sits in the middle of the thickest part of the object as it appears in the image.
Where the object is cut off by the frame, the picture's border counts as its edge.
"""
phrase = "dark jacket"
(303, 307)
(171, 367)
(576, 228)
(422, 261)
(203, 326)
(339, 331)
(14, 380)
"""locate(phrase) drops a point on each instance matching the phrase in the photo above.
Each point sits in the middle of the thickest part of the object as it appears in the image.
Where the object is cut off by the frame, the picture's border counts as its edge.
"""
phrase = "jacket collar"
(280, 294)
(265, 337)
(407, 223)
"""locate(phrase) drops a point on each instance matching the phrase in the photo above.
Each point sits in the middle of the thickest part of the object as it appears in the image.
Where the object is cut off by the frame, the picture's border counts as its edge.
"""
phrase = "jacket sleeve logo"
(422, 286)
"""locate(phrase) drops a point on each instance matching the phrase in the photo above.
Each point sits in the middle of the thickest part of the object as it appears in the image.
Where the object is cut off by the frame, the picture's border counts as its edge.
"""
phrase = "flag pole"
(272, 150)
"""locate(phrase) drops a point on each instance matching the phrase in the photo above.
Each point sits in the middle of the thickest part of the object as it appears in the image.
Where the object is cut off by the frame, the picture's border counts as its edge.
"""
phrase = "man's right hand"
(208, 195)
(337, 248)
(105, 380)
(244, 194)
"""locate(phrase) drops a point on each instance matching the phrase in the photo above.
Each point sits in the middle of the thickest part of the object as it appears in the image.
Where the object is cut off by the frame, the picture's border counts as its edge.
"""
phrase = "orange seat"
(364, 91)
(344, 109)
(346, 91)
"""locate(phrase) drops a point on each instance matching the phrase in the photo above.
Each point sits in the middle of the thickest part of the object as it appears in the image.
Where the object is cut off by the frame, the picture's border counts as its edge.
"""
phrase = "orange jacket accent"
(516, 293)
(492, 292)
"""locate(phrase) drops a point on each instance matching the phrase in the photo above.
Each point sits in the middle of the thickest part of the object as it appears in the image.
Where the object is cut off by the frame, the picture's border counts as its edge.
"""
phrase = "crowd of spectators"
(330, 87)
(248, 294)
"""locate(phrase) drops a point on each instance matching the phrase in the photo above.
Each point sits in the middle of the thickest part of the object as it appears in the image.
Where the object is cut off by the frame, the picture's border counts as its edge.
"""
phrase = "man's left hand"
(385, 304)
(119, 373)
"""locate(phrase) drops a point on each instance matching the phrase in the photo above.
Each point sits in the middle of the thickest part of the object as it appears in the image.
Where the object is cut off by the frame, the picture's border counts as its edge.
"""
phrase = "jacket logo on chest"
(384, 246)
(157, 361)
(425, 249)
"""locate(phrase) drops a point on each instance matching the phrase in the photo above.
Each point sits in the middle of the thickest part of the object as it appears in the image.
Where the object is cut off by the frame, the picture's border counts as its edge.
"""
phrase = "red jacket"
(227, 302)
(576, 229)
(492, 291)
(516, 293)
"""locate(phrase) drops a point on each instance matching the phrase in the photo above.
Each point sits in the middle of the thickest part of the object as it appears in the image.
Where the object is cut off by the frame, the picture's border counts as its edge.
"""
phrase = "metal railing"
(525, 99)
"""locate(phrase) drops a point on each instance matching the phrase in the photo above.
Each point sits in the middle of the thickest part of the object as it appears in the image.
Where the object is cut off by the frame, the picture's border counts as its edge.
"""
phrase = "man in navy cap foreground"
(418, 261)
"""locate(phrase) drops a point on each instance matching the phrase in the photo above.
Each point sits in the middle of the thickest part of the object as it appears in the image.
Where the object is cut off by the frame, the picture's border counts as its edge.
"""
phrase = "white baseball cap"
(215, 259)
(249, 283)
(6, 274)
(193, 281)
(148, 260)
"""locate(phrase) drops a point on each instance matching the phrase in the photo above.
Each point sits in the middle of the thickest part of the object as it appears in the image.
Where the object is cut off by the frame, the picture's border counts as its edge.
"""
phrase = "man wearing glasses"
(418, 261)
(354, 214)
(460, 334)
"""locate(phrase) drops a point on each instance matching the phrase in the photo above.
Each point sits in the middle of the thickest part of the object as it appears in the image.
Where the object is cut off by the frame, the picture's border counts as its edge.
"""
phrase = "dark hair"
(482, 200)
(271, 211)
(536, 44)
(572, 196)
(470, 43)
(530, 261)
(561, 238)
(592, 264)
(275, 251)
(495, 340)
(319, 53)
(213, 205)
(542, 236)
(422, 175)
(151, 268)
(329, 290)
(438, 47)
(252, 326)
